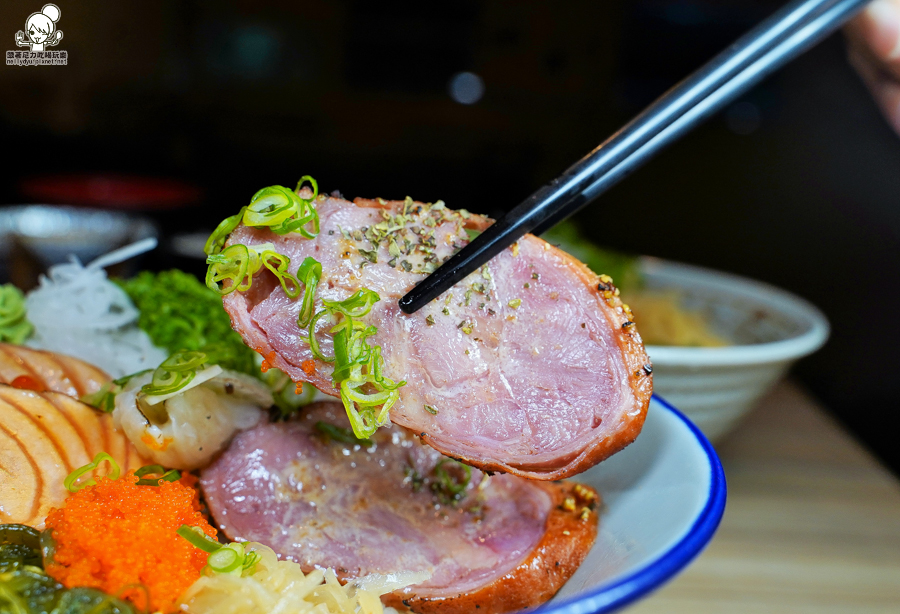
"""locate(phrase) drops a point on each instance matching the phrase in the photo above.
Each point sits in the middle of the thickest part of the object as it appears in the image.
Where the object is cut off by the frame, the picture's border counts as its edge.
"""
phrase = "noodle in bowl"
(769, 330)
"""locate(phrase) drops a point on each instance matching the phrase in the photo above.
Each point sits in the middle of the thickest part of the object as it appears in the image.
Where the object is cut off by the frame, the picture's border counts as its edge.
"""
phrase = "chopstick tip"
(408, 303)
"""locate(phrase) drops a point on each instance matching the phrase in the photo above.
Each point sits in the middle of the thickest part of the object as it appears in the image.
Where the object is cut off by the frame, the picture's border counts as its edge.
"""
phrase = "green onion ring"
(250, 560)
(73, 477)
(234, 264)
(198, 538)
(271, 206)
(167, 382)
(175, 372)
(171, 475)
(184, 361)
(315, 186)
(288, 282)
(216, 240)
(313, 342)
(224, 560)
(310, 272)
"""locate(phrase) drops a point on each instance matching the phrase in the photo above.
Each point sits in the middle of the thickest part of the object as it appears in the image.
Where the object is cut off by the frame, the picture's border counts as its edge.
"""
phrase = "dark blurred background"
(479, 104)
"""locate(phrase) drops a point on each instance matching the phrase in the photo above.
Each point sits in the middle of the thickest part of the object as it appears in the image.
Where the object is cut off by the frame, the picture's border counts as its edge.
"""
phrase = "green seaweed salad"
(25, 588)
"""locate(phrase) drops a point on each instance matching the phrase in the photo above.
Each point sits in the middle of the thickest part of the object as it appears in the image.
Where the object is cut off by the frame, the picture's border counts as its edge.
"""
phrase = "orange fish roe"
(117, 534)
(309, 367)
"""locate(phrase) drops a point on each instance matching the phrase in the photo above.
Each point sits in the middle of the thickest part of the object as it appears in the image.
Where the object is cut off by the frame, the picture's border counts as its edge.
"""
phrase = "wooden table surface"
(812, 522)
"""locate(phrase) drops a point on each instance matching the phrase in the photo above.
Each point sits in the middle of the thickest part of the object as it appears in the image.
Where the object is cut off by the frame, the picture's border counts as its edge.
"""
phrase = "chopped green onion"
(283, 211)
(341, 434)
(310, 272)
(232, 264)
(275, 207)
(278, 264)
(198, 538)
(216, 240)
(270, 207)
(450, 488)
(72, 478)
(181, 362)
(356, 363)
(105, 398)
(311, 337)
(239, 263)
(149, 469)
(356, 306)
(224, 560)
(14, 327)
(250, 561)
(232, 559)
(361, 409)
(171, 475)
(175, 373)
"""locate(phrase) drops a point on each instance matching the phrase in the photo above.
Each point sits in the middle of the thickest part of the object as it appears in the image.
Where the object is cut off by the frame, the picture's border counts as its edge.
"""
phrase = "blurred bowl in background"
(770, 329)
(37, 236)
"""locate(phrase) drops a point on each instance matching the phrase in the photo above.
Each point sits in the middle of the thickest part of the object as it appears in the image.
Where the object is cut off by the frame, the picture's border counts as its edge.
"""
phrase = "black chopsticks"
(789, 32)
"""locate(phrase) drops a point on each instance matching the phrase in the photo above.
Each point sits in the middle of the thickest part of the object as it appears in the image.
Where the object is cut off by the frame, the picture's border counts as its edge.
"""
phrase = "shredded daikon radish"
(281, 587)
(77, 311)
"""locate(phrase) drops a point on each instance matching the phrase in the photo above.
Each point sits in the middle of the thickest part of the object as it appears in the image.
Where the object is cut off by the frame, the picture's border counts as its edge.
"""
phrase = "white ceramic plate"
(663, 496)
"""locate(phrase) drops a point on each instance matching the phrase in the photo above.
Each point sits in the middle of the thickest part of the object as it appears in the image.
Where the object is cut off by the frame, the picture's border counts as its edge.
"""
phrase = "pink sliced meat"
(498, 543)
(531, 365)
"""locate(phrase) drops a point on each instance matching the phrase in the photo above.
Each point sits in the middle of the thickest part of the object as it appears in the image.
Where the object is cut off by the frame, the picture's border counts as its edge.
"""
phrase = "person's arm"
(874, 39)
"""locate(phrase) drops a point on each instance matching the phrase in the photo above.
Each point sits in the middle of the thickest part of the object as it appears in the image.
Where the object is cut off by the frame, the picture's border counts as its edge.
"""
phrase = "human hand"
(874, 49)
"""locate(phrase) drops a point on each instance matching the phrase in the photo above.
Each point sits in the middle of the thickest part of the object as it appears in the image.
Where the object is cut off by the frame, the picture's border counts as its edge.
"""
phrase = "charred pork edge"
(569, 533)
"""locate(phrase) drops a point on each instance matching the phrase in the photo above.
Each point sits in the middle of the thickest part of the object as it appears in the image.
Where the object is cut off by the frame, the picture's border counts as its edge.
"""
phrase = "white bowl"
(663, 498)
(716, 386)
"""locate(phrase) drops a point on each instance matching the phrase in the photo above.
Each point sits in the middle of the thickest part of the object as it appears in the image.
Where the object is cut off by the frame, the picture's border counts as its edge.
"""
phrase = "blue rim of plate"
(656, 573)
